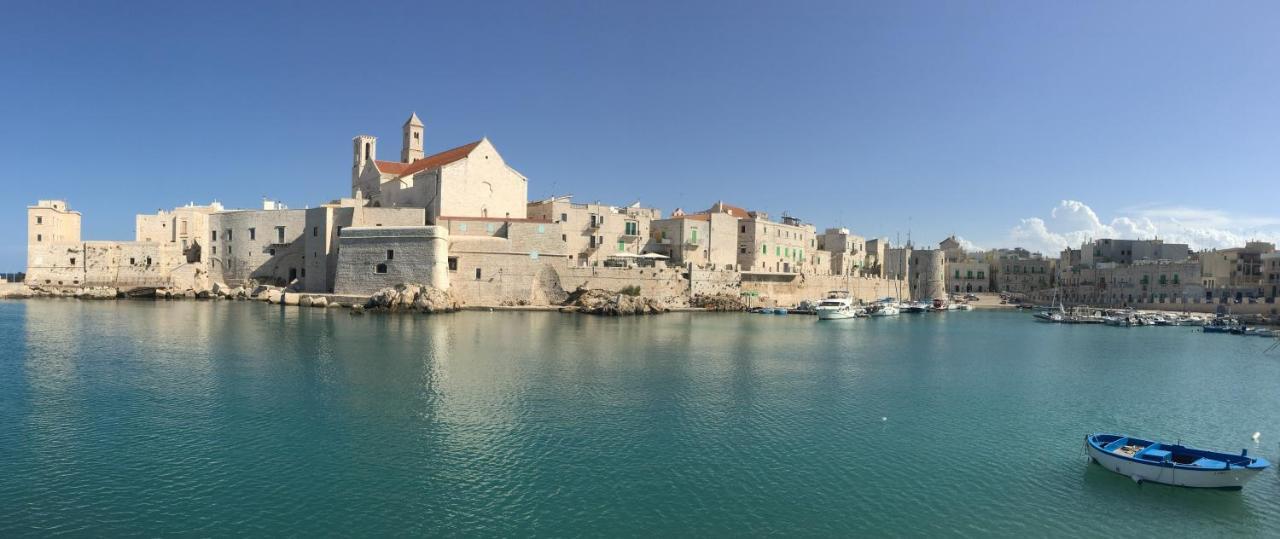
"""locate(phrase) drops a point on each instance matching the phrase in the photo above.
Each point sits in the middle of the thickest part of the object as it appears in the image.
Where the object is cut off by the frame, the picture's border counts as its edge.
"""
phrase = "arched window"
(366, 152)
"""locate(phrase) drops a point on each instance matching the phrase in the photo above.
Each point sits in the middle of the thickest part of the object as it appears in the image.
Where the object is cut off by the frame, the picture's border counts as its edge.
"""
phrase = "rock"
(291, 298)
(204, 294)
(609, 303)
(273, 296)
(97, 292)
(357, 309)
(718, 302)
(413, 297)
(304, 302)
(319, 302)
(334, 305)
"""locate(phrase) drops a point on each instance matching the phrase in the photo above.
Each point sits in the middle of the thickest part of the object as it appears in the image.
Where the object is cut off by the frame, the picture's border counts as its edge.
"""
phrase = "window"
(380, 268)
(542, 229)
(271, 252)
(742, 229)
(477, 274)
(39, 220)
(621, 246)
(304, 272)
(214, 234)
(253, 234)
(39, 237)
(742, 250)
(131, 262)
(213, 249)
(279, 234)
(632, 228)
(764, 249)
(694, 235)
(564, 237)
(564, 218)
(315, 231)
(453, 263)
(228, 234)
(73, 261)
(391, 254)
(148, 261)
(488, 227)
(462, 227)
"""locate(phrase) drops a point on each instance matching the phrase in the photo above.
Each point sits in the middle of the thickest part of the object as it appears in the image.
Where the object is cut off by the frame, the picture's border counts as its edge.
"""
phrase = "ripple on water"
(240, 418)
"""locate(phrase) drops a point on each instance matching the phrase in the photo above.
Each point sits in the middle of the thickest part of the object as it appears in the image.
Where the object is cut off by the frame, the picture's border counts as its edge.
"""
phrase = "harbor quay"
(460, 222)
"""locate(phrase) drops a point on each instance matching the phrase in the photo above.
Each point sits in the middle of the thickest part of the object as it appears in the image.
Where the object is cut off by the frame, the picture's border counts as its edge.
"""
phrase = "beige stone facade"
(773, 247)
(594, 232)
(471, 180)
(968, 276)
(927, 274)
(50, 222)
(701, 240)
(1024, 275)
(846, 252)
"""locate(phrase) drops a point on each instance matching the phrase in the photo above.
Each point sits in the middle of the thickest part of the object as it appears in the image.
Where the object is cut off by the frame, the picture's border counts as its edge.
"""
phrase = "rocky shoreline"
(404, 298)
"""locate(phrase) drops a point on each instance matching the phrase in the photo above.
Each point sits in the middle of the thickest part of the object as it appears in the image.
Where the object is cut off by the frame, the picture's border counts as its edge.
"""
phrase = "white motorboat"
(837, 306)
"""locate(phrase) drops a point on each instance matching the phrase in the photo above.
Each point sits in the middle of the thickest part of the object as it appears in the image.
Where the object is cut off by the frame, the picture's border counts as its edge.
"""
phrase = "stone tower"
(927, 269)
(411, 146)
(364, 151)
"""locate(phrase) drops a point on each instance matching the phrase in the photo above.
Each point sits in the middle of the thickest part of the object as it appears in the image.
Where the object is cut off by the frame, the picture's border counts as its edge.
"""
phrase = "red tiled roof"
(426, 163)
(731, 210)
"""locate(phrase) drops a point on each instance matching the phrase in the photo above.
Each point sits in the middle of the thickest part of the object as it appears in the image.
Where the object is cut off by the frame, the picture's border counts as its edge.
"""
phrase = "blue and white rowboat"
(1144, 460)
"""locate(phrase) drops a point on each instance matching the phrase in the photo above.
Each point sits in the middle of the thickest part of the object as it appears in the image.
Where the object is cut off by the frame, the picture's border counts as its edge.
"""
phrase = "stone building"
(767, 246)
(847, 253)
(698, 240)
(968, 276)
(1024, 275)
(594, 232)
(376, 257)
(469, 180)
(1271, 273)
(897, 262)
(49, 222)
(1130, 251)
(927, 274)
(325, 223)
(1144, 282)
(877, 251)
(1239, 267)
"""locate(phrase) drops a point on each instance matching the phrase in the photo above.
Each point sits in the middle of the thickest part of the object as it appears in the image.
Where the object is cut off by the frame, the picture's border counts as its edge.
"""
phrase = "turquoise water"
(234, 418)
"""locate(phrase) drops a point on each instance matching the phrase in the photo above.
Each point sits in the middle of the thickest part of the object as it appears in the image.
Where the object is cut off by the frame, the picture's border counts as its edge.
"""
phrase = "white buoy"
(884, 419)
(1256, 435)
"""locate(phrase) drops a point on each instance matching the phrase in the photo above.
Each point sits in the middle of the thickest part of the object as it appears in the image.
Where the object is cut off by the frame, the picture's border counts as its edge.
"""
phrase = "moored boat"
(1173, 464)
(837, 306)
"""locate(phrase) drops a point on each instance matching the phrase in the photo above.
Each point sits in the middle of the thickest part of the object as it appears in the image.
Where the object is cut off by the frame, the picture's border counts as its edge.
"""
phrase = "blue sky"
(1004, 122)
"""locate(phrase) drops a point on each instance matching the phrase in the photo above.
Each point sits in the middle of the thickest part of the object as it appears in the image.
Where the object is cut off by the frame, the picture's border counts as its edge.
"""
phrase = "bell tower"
(411, 146)
(364, 149)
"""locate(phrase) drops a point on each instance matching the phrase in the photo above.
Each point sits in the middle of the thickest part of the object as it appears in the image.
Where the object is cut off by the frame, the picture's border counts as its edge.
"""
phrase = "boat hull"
(824, 314)
(1232, 479)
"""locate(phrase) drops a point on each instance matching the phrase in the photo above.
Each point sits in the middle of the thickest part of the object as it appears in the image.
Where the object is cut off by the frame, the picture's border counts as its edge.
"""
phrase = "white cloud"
(1073, 222)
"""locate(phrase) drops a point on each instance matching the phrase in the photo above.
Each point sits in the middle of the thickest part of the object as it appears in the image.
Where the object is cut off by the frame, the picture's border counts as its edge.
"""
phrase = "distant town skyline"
(1005, 124)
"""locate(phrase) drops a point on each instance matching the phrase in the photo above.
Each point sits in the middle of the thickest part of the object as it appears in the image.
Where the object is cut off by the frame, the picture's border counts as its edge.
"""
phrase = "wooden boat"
(1171, 464)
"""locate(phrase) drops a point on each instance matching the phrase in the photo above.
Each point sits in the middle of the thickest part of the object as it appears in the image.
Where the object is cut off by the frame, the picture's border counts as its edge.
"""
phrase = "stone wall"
(373, 258)
(662, 283)
(791, 289)
(122, 264)
(256, 244)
